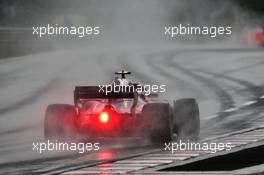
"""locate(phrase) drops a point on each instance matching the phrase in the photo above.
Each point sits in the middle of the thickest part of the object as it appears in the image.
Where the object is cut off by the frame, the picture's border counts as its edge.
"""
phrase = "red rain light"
(260, 37)
(104, 117)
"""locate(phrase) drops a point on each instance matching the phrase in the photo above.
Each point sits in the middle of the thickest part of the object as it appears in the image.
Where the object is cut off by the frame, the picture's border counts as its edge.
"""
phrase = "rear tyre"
(186, 119)
(59, 123)
(157, 122)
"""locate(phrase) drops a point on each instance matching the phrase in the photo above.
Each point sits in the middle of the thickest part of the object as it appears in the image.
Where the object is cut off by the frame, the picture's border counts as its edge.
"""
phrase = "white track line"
(114, 168)
(239, 140)
(231, 109)
(125, 165)
(161, 158)
(173, 155)
(248, 137)
(136, 164)
(104, 172)
(210, 117)
(82, 172)
(144, 161)
(249, 103)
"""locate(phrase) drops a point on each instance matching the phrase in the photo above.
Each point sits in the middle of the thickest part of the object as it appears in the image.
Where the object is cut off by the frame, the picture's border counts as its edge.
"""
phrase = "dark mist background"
(123, 21)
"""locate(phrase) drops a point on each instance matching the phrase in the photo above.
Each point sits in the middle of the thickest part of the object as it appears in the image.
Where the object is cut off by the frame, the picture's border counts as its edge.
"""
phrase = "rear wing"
(92, 92)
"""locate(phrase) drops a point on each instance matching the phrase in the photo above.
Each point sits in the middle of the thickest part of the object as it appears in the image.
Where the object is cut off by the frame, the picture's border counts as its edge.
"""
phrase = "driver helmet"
(121, 81)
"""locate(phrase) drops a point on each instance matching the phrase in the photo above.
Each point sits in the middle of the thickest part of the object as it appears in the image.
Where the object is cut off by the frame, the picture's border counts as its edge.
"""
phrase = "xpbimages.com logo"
(141, 89)
(80, 147)
(211, 147)
(79, 31)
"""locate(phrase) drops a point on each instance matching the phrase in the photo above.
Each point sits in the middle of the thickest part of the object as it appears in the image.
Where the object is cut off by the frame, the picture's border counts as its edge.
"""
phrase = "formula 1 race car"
(125, 113)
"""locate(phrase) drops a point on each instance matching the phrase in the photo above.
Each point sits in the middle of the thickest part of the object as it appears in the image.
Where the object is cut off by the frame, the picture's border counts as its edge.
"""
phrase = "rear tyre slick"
(186, 119)
(157, 122)
(59, 123)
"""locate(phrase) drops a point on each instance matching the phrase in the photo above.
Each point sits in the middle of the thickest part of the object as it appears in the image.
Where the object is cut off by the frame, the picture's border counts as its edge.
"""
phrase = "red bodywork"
(106, 119)
(260, 37)
(106, 123)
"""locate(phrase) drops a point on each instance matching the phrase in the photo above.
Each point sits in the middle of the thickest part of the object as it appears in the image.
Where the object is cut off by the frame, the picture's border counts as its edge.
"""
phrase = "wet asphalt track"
(219, 78)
